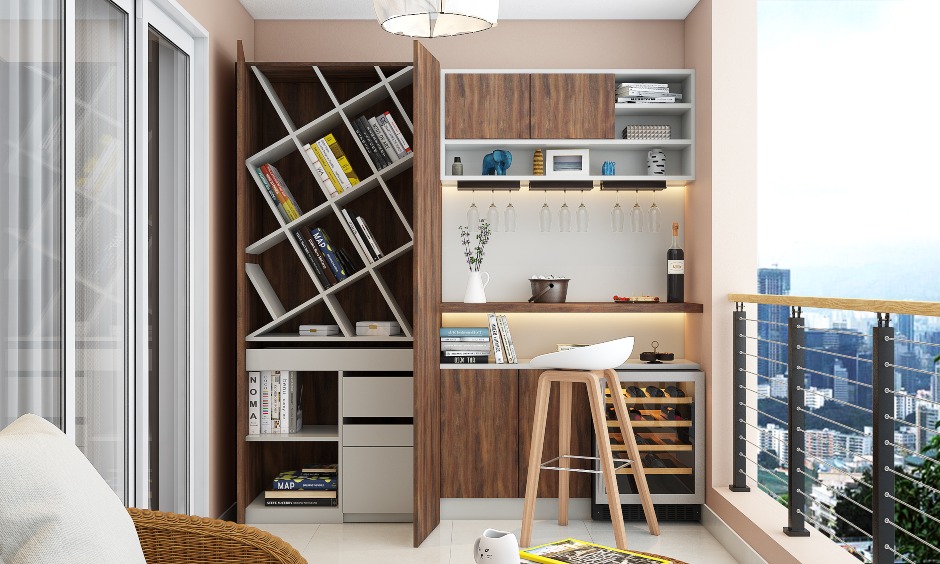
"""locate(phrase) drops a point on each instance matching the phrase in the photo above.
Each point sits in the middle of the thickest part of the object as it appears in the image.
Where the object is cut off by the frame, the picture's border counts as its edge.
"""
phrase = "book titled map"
(573, 551)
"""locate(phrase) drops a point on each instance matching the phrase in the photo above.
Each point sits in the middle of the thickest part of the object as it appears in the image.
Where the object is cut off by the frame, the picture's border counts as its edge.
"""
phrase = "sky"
(848, 146)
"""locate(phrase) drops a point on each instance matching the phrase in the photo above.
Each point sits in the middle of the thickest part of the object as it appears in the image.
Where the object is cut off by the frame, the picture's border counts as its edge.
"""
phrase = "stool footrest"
(546, 465)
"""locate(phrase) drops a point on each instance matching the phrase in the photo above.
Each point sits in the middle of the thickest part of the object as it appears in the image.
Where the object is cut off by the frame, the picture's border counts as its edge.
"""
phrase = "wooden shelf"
(652, 401)
(571, 307)
(324, 433)
(651, 471)
(653, 423)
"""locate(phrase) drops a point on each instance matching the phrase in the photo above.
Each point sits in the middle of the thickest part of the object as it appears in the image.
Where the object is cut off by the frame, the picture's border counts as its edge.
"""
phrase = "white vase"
(475, 286)
(496, 547)
(656, 162)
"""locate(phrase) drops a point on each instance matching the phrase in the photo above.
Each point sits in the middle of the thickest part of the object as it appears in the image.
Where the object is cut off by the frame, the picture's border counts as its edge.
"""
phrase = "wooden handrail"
(851, 304)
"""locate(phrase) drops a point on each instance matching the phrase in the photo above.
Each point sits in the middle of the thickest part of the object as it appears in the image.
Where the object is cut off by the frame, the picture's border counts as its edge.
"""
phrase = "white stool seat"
(601, 356)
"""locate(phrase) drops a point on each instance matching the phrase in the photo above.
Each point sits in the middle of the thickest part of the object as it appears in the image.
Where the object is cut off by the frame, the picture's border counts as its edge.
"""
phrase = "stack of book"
(330, 264)
(331, 165)
(275, 403)
(645, 93)
(472, 345)
(313, 486)
(382, 139)
(277, 190)
(365, 238)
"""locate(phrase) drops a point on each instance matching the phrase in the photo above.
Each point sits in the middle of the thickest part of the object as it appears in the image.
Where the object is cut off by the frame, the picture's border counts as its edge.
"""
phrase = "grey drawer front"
(378, 435)
(377, 396)
(378, 480)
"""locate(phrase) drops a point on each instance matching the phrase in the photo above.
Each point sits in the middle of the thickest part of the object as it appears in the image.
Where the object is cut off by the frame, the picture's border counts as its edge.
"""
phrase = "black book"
(362, 130)
(475, 359)
(379, 149)
(302, 502)
(312, 259)
(352, 264)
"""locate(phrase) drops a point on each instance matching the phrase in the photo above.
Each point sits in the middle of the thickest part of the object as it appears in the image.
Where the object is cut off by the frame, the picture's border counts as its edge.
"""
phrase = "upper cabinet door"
(572, 106)
(488, 106)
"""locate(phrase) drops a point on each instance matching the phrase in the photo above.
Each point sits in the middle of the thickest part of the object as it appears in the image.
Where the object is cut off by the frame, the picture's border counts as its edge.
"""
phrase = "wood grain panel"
(851, 304)
(487, 106)
(479, 426)
(572, 106)
(572, 307)
(581, 439)
(243, 488)
(427, 293)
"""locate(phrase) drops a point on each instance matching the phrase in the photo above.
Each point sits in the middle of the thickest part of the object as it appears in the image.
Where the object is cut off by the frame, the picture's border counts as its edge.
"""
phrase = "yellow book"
(329, 172)
(341, 158)
(572, 551)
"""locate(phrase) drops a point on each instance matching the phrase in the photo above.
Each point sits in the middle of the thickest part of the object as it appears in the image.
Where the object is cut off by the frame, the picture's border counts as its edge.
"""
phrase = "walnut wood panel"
(487, 106)
(581, 439)
(571, 307)
(480, 428)
(851, 304)
(572, 106)
(427, 293)
(242, 135)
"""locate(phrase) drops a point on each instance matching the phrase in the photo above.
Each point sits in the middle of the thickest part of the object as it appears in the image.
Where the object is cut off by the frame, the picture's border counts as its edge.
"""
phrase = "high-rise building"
(773, 326)
(926, 418)
(840, 384)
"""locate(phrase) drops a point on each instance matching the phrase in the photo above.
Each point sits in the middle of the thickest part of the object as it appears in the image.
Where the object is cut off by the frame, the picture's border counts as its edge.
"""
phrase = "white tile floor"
(452, 541)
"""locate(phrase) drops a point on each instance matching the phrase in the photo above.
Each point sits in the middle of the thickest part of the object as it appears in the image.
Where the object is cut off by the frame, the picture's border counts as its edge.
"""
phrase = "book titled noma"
(573, 551)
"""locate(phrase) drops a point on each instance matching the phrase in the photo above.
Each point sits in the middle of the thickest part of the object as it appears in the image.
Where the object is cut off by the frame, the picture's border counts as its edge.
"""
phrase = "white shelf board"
(316, 213)
(265, 291)
(362, 188)
(266, 242)
(309, 433)
(632, 364)
(549, 144)
(331, 359)
(256, 512)
(676, 109)
(674, 179)
(294, 337)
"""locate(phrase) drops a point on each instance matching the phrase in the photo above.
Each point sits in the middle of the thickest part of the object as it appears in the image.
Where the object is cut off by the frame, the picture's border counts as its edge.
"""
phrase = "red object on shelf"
(636, 299)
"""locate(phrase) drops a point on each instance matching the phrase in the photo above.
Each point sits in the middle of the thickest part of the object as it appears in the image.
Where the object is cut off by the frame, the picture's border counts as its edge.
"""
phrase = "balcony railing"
(851, 471)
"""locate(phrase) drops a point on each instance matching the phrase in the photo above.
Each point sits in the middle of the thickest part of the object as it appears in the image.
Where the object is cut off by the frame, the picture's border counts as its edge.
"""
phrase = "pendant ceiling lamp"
(440, 18)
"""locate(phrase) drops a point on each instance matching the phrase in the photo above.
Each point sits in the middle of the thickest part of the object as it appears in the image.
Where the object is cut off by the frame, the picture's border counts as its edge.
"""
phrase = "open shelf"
(571, 307)
(307, 433)
(258, 512)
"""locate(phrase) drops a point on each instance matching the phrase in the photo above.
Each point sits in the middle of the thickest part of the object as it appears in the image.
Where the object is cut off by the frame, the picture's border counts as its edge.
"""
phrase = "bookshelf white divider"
(339, 117)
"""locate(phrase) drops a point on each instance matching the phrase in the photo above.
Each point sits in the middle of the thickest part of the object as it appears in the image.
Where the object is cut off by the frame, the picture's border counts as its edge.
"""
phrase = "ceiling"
(508, 9)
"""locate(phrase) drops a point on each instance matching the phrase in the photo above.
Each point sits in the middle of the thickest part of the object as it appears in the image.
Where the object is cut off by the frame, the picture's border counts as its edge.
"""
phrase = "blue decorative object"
(497, 162)
(607, 169)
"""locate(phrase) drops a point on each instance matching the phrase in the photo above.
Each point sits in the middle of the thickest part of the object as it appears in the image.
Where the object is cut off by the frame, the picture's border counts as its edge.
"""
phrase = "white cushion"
(601, 356)
(54, 507)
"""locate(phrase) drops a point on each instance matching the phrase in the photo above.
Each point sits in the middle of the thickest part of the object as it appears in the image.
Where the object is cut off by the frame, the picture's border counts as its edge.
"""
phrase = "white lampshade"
(436, 18)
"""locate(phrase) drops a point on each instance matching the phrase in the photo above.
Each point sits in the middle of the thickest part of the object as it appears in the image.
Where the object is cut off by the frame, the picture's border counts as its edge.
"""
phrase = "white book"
(334, 164)
(276, 401)
(372, 242)
(254, 403)
(386, 142)
(265, 423)
(286, 419)
(390, 135)
(507, 339)
(296, 422)
(465, 353)
(358, 236)
(646, 85)
(483, 347)
(461, 339)
(321, 172)
(397, 131)
(497, 343)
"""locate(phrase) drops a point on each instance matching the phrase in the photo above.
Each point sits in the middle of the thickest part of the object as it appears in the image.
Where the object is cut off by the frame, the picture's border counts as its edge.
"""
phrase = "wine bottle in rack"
(675, 269)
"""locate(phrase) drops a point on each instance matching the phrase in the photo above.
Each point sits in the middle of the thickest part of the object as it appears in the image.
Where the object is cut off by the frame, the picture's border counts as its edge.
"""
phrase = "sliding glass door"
(31, 209)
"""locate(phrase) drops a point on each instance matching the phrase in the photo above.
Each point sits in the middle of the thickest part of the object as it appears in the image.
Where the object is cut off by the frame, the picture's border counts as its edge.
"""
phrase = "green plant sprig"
(475, 255)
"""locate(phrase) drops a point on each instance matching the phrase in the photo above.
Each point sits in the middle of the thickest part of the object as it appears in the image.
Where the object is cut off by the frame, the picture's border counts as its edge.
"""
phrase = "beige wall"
(226, 21)
(511, 44)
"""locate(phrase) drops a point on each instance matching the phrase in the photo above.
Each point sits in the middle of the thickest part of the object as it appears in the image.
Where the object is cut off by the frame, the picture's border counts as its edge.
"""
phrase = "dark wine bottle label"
(675, 267)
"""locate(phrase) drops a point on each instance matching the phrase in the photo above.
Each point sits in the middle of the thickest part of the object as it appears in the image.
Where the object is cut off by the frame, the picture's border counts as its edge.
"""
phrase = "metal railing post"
(796, 381)
(883, 435)
(739, 479)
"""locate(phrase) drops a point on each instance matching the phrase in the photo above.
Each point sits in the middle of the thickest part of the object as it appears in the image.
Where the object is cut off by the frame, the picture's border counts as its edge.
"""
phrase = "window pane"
(31, 297)
(101, 186)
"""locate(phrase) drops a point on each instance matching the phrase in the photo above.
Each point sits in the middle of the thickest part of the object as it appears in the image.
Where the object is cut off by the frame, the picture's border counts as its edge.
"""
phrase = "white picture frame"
(567, 163)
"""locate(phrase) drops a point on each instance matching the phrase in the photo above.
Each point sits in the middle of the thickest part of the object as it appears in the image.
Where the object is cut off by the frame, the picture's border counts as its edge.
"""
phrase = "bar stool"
(584, 365)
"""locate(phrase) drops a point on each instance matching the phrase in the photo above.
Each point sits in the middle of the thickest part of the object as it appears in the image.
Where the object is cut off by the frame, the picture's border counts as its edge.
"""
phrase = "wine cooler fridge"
(666, 405)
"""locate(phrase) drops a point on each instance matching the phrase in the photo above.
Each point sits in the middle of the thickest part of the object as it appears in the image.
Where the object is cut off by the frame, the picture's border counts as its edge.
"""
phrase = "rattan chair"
(170, 538)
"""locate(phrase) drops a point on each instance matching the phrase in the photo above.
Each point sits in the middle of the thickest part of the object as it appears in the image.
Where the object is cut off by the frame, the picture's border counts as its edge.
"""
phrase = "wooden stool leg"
(596, 395)
(564, 448)
(629, 440)
(535, 460)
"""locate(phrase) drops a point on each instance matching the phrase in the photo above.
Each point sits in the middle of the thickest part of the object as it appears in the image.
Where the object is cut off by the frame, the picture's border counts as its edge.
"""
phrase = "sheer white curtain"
(31, 209)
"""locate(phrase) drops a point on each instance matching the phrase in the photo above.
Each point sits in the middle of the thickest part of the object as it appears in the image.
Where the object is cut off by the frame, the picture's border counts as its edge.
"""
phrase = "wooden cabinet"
(486, 106)
(571, 106)
(479, 433)
(580, 436)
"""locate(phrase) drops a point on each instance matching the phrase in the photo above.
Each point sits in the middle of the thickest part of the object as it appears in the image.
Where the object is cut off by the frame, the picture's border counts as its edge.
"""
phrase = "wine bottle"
(675, 269)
